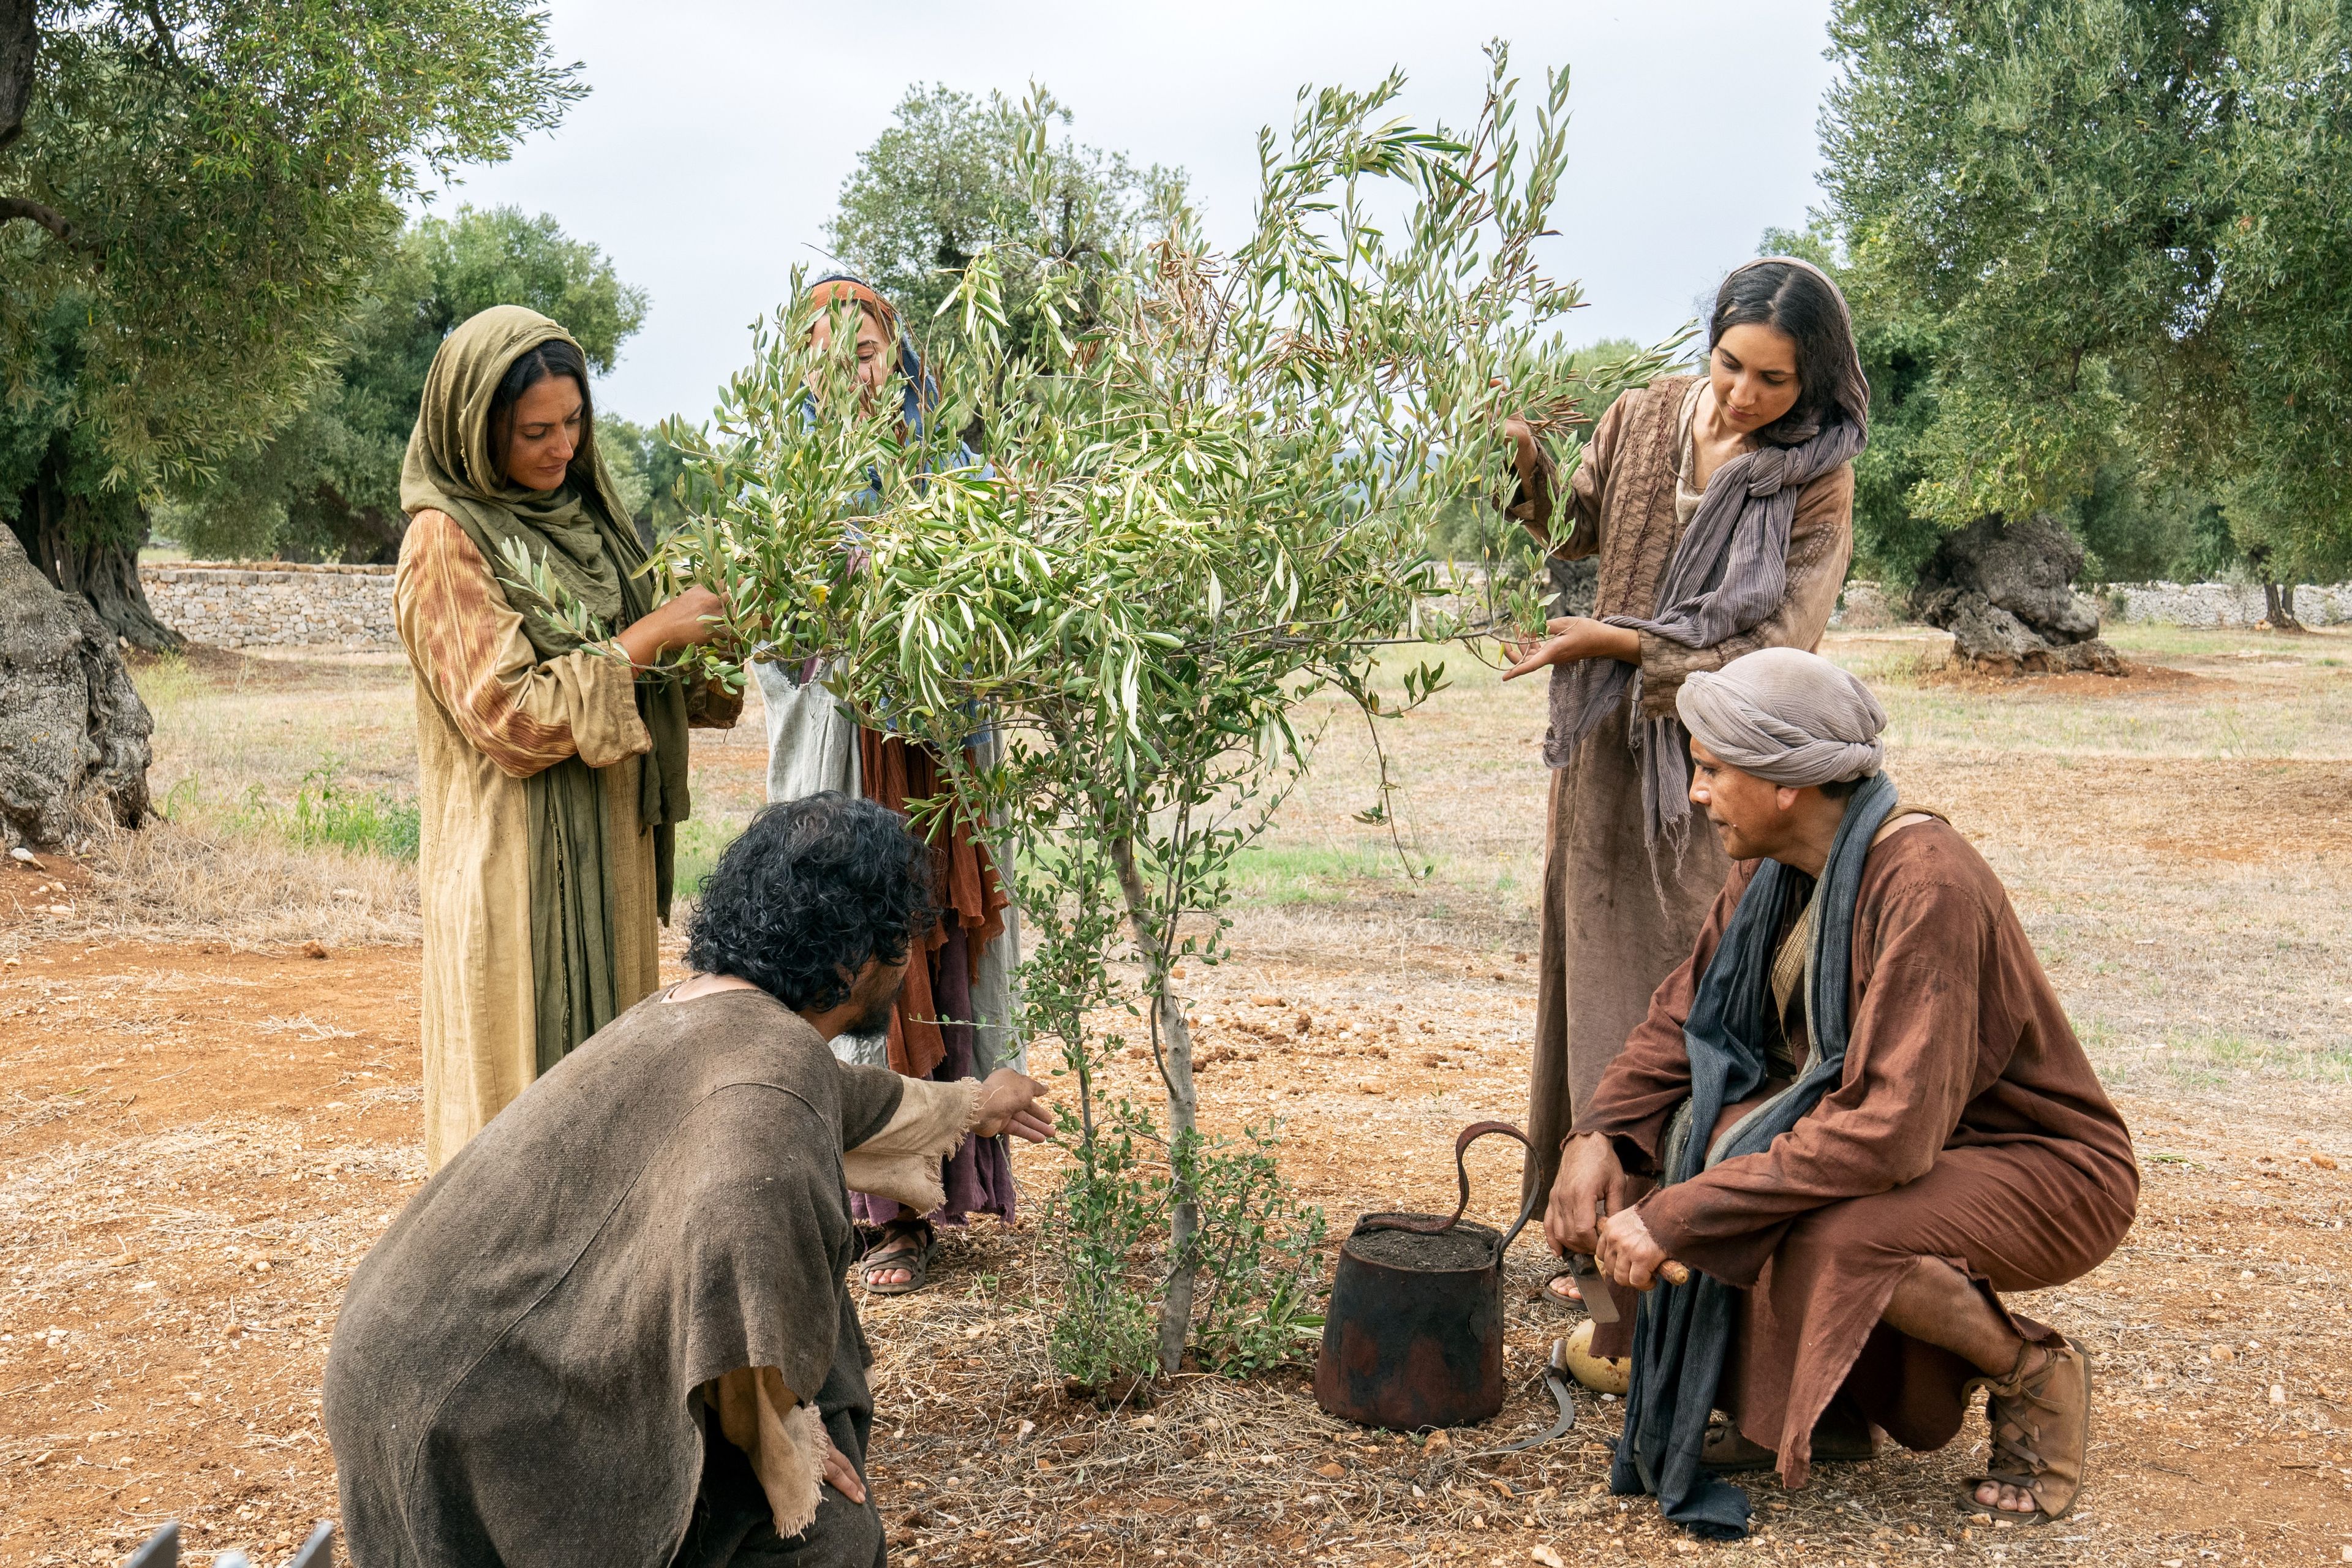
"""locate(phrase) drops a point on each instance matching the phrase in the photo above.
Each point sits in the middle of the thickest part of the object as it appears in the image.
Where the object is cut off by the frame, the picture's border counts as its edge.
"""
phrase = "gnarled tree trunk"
(2006, 593)
(73, 733)
(94, 562)
(2278, 606)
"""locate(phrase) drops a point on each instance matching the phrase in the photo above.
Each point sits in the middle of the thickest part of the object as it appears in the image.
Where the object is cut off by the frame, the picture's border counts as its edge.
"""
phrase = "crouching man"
(617, 1327)
(1858, 1113)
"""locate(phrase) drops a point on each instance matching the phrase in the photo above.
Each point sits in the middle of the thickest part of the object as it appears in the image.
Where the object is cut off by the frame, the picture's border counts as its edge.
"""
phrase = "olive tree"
(2103, 233)
(192, 194)
(1205, 501)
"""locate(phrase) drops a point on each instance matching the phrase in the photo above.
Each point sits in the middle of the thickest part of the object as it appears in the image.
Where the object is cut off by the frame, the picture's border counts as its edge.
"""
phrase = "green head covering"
(581, 530)
(590, 547)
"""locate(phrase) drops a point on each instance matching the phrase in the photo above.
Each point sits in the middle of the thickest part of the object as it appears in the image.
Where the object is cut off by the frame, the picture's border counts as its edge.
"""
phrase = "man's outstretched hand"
(1008, 1103)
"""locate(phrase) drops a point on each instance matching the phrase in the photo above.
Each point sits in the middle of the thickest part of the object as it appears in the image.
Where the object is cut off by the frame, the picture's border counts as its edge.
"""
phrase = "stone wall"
(273, 604)
(1865, 606)
(2218, 604)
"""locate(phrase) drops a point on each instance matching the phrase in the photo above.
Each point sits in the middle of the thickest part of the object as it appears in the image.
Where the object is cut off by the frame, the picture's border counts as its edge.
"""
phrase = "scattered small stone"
(24, 856)
(2278, 1393)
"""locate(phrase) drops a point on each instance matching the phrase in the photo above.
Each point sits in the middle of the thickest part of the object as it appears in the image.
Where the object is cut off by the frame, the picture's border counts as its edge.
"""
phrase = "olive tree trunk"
(73, 733)
(2278, 606)
(1172, 1046)
(98, 563)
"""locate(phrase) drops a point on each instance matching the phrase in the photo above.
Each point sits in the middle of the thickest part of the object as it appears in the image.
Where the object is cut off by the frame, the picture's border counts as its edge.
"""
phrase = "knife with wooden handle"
(1598, 1304)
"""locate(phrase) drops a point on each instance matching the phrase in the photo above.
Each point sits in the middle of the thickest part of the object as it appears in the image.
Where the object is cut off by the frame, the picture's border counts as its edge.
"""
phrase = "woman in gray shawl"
(1721, 509)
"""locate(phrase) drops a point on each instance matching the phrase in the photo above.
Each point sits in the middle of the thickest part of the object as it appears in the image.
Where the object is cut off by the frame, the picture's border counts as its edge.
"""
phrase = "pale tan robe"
(490, 714)
(1615, 920)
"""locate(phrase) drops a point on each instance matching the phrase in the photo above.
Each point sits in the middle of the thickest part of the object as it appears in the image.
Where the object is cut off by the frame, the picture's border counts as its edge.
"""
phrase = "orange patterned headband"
(833, 292)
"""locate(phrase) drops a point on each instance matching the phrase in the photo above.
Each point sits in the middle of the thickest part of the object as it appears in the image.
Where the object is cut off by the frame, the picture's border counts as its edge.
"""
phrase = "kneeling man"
(617, 1327)
(1858, 1113)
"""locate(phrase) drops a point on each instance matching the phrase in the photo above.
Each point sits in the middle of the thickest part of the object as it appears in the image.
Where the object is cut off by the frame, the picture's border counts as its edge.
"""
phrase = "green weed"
(324, 813)
(700, 842)
(1277, 874)
(373, 823)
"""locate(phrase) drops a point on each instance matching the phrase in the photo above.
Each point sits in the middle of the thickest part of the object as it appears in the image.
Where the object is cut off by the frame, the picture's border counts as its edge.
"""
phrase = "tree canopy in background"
(2100, 255)
(941, 185)
(327, 483)
(193, 195)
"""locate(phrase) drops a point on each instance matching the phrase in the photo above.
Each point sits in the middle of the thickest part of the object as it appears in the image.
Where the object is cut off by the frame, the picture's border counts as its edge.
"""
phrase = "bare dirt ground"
(203, 1126)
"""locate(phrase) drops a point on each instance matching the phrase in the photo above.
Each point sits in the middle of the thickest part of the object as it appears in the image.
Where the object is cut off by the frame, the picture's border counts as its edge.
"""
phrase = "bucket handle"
(1470, 1135)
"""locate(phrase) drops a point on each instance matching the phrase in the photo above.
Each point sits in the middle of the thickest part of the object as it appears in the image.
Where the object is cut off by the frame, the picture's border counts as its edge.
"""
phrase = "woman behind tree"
(553, 768)
(953, 1019)
(1721, 507)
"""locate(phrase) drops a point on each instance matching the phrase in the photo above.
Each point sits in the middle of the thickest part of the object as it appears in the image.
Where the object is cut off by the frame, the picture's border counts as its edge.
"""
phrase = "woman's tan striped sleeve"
(467, 644)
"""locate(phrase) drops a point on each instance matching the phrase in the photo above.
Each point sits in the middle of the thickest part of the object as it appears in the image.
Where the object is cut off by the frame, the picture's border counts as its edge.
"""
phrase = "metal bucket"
(1414, 1337)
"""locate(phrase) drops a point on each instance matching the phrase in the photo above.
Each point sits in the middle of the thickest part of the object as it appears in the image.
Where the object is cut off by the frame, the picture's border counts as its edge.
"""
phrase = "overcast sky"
(718, 133)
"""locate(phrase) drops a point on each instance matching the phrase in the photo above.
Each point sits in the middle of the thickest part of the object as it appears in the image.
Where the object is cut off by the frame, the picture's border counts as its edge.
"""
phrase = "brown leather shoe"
(2041, 1423)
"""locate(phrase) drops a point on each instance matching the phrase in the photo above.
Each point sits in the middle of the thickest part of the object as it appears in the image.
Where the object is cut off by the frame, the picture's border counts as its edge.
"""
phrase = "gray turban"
(1788, 717)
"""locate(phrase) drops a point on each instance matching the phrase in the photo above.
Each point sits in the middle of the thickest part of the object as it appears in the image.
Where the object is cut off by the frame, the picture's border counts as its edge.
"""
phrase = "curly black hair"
(813, 889)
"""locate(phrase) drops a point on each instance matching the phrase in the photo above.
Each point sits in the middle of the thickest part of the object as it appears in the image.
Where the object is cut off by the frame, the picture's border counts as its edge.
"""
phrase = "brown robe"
(964, 882)
(1968, 1126)
(649, 1248)
(1617, 917)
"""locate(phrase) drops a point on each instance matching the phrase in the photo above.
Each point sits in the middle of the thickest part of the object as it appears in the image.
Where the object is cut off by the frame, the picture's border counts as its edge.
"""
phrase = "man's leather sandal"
(2041, 1433)
(1837, 1440)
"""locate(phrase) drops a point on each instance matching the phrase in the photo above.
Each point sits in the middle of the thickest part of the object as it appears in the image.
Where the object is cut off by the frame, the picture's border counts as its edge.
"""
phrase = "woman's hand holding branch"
(1568, 638)
(690, 620)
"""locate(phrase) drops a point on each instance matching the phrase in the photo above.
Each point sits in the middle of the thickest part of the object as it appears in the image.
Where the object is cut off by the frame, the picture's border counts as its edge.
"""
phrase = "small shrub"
(1262, 1258)
(1096, 1224)
(1259, 1251)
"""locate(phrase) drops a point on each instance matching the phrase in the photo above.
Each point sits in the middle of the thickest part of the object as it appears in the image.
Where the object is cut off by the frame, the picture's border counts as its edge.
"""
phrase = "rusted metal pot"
(1414, 1334)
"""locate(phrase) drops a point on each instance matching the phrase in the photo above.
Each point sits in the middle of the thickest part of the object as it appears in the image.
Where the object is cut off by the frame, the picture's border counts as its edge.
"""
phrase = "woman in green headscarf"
(553, 765)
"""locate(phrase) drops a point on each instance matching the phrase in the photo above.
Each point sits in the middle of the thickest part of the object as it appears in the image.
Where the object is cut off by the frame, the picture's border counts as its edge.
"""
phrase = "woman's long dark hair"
(554, 357)
(1800, 302)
